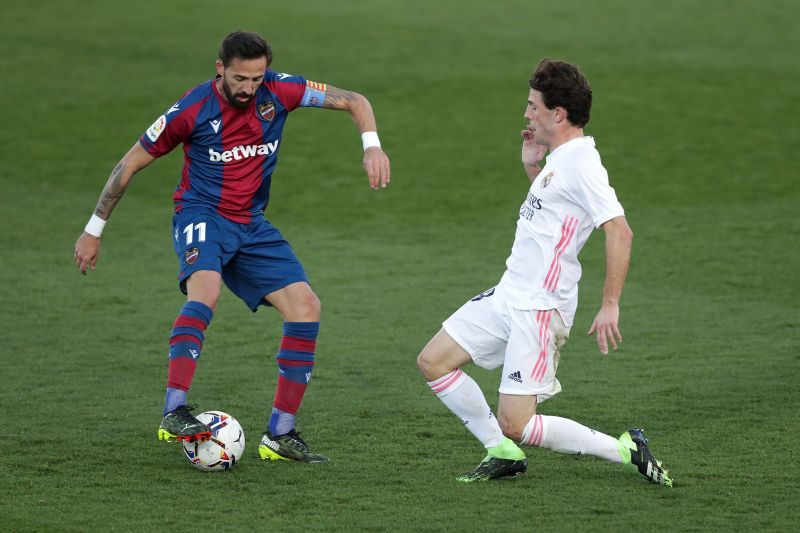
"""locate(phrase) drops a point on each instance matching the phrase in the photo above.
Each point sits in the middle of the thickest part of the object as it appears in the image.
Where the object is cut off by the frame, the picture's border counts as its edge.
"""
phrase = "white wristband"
(95, 226)
(370, 139)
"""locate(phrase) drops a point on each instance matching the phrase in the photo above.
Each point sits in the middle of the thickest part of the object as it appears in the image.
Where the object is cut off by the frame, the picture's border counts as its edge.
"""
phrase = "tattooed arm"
(376, 163)
(354, 103)
(87, 248)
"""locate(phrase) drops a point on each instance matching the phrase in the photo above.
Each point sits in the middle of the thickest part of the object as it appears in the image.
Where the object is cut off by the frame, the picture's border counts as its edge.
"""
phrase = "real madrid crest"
(546, 180)
(266, 110)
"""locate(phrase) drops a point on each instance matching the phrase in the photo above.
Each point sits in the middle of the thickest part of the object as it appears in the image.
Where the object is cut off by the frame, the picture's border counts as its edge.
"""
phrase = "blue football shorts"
(254, 259)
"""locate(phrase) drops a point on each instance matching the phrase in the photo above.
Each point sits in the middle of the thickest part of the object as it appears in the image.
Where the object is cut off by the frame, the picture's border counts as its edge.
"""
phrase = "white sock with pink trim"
(464, 398)
(562, 435)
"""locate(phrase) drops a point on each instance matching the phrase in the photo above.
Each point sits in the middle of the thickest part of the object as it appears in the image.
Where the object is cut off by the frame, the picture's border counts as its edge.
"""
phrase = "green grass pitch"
(695, 115)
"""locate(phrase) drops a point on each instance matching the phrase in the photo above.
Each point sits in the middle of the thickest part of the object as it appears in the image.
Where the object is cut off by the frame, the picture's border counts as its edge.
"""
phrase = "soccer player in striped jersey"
(230, 128)
(522, 323)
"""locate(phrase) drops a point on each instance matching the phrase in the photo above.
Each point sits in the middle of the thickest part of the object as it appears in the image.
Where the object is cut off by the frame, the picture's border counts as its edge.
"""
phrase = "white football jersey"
(568, 198)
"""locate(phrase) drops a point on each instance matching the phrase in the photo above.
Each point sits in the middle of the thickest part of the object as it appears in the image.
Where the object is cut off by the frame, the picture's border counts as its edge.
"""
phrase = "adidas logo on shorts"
(516, 376)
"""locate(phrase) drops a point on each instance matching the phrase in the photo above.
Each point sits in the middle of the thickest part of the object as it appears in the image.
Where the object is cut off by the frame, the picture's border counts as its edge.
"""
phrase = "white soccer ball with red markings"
(223, 449)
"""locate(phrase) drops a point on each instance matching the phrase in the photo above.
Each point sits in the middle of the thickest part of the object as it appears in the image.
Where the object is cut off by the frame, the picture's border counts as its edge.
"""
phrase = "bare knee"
(309, 308)
(431, 366)
(511, 427)
(296, 302)
(441, 356)
(204, 286)
(514, 412)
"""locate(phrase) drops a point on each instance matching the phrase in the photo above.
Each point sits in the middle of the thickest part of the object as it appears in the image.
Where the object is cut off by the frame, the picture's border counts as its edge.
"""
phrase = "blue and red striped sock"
(185, 345)
(295, 363)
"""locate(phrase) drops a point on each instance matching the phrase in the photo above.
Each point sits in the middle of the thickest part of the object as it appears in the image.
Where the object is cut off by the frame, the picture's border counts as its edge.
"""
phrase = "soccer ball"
(223, 449)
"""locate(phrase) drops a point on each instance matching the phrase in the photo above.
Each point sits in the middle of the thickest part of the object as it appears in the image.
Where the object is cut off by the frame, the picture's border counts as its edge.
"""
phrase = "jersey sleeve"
(590, 190)
(295, 91)
(289, 89)
(169, 130)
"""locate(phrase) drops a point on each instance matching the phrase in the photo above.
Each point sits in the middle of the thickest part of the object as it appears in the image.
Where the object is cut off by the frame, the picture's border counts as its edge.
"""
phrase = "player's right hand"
(532, 152)
(87, 251)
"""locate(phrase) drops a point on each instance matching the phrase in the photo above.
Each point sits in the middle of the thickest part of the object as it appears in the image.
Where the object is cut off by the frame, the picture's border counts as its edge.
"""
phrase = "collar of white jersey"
(572, 143)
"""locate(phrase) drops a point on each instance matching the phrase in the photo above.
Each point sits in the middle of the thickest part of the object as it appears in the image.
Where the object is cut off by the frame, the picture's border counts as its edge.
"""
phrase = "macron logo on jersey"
(242, 152)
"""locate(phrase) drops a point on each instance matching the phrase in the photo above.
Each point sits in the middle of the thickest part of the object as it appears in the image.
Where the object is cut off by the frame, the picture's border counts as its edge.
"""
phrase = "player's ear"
(220, 67)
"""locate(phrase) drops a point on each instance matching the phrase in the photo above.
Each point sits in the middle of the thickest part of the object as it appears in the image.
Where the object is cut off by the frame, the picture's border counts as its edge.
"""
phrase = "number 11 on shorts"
(189, 230)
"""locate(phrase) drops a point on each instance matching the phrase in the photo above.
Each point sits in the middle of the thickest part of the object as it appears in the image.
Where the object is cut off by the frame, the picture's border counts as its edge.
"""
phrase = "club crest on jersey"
(546, 180)
(191, 256)
(266, 110)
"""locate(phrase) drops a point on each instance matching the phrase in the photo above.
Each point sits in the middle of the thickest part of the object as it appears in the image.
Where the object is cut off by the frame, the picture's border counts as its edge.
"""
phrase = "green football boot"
(505, 459)
(634, 444)
(287, 447)
(181, 425)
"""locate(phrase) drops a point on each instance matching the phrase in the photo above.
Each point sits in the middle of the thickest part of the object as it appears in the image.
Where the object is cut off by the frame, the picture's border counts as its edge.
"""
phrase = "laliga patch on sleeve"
(158, 126)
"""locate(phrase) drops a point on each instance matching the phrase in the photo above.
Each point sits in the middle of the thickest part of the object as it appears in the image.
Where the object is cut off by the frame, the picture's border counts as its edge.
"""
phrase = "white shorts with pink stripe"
(525, 342)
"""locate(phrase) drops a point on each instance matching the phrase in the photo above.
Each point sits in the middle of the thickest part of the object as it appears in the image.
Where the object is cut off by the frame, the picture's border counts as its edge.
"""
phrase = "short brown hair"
(244, 45)
(563, 85)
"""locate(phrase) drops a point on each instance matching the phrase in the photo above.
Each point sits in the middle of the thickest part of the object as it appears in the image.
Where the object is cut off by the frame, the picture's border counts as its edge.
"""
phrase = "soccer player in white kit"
(522, 323)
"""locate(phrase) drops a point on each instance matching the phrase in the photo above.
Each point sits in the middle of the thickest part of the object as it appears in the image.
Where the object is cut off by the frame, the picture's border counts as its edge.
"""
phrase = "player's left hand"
(87, 251)
(606, 326)
(376, 163)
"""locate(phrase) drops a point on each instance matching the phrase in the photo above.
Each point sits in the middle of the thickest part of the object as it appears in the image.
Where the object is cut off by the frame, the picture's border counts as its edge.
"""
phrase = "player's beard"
(232, 98)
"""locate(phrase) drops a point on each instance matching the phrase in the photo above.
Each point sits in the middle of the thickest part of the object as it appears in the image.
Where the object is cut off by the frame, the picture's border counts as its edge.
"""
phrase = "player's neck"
(218, 85)
(566, 136)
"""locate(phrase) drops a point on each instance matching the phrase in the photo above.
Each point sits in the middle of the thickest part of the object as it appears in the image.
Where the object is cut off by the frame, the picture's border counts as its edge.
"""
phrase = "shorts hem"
(458, 340)
(541, 395)
(519, 392)
(183, 276)
(269, 290)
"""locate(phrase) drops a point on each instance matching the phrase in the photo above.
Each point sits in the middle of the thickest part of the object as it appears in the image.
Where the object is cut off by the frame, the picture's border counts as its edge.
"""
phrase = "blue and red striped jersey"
(229, 152)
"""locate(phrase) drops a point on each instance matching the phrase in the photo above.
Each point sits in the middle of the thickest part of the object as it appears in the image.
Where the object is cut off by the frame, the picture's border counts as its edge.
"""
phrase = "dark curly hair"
(563, 85)
(244, 45)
